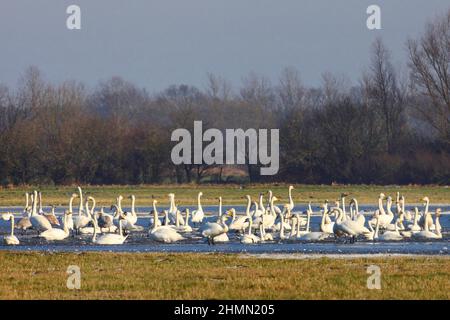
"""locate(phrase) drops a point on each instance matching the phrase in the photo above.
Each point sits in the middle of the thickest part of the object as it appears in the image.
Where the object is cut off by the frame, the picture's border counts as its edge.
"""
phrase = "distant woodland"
(390, 126)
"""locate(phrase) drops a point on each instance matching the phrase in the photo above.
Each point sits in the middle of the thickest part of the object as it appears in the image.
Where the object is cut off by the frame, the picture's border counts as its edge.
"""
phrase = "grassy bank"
(218, 276)
(232, 194)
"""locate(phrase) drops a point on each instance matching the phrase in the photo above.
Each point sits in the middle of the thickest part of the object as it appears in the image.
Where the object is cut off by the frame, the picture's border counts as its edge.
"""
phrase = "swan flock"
(263, 221)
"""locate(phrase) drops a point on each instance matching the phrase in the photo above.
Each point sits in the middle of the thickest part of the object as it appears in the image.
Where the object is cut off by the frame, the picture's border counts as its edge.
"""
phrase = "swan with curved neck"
(309, 235)
(426, 233)
(39, 222)
(388, 235)
(266, 220)
(159, 233)
(358, 217)
(108, 238)
(198, 215)
(347, 227)
(215, 229)
(56, 233)
(426, 217)
(242, 222)
(81, 220)
(291, 200)
(69, 220)
(11, 239)
(249, 237)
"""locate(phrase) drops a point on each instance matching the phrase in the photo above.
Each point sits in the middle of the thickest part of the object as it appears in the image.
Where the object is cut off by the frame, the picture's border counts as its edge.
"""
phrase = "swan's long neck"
(87, 208)
(187, 217)
(33, 212)
(133, 202)
(261, 203)
(12, 225)
(199, 203)
(40, 202)
(416, 216)
(377, 227)
(119, 204)
(172, 203)
(272, 209)
(308, 219)
(250, 222)
(380, 205)
(65, 227)
(71, 204)
(343, 205)
(427, 203)
(220, 207)
(356, 207)
(155, 216)
(80, 209)
(94, 203)
(120, 228)
(282, 225)
(249, 204)
(291, 201)
(270, 198)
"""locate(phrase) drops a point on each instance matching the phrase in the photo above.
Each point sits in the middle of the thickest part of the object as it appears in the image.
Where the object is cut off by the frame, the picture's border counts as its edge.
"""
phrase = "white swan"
(215, 229)
(198, 215)
(326, 225)
(173, 210)
(10, 240)
(276, 208)
(312, 235)
(249, 237)
(388, 235)
(164, 234)
(108, 238)
(266, 220)
(50, 216)
(426, 218)
(344, 226)
(426, 233)
(56, 233)
(81, 220)
(383, 218)
(242, 222)
(69, 219)
(182, 228)
(39, 223)
(358, 217)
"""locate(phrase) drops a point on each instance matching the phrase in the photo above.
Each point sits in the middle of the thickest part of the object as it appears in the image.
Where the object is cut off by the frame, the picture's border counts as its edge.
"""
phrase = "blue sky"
(155, 43)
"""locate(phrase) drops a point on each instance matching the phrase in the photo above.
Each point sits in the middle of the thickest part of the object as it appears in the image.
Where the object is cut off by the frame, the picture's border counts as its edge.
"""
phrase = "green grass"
(232, 194)
(33, 275)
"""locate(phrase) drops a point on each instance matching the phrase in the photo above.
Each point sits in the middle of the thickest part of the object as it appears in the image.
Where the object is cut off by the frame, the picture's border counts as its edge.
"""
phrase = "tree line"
(393, 126)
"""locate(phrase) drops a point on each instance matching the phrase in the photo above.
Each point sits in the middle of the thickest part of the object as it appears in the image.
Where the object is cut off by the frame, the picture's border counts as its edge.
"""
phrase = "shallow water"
(139, 242)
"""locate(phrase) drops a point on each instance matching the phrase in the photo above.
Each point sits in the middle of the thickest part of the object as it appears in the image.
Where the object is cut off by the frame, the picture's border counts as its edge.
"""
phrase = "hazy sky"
(154, 43)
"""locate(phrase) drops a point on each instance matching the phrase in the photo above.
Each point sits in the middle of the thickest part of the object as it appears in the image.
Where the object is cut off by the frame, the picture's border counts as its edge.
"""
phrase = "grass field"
(232, 194)
(218, 276)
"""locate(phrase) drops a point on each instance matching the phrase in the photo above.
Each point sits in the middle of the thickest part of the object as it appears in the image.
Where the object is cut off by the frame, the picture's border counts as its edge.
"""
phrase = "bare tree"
(385, 94)
(430, 73)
